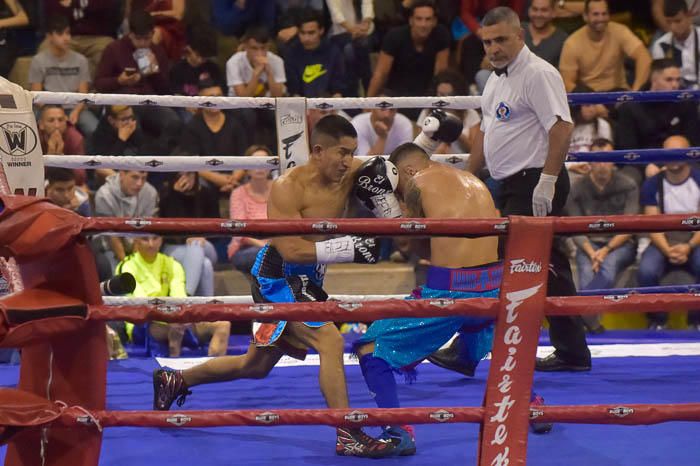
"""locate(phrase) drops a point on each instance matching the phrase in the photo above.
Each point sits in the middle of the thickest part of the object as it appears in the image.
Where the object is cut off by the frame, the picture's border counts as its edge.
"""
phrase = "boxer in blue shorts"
(460, 268)
(291, 268)
(287, 270)
(278, 281)
(405, 342)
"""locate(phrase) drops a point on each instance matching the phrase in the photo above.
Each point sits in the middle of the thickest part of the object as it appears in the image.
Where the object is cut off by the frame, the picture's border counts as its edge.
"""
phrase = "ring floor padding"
(672, 379)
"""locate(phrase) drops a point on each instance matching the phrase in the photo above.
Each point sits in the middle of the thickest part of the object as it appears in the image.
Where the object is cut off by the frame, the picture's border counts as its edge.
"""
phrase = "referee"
(523, 141)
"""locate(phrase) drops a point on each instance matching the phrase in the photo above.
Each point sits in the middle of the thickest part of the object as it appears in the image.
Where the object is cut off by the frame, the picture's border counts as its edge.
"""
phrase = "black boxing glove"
(438, 126)
(375, 182)
(347, 249)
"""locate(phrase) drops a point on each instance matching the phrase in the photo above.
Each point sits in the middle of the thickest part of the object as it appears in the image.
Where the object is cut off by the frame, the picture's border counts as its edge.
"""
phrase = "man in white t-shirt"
(256, 72)
(381, 131)
(675, 190)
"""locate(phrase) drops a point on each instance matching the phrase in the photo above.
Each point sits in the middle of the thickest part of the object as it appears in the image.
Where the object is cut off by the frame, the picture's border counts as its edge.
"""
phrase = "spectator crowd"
(323, 48)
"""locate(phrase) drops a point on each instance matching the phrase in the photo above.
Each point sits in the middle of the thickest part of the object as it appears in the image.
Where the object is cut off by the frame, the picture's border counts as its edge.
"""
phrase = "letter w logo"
(16, 140)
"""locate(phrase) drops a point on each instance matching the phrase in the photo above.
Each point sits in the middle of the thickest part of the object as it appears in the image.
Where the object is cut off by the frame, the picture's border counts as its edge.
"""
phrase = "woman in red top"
(249, 202)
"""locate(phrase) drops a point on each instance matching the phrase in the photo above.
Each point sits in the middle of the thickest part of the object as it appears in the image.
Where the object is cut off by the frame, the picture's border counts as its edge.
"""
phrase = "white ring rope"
(452, 102)
(130, 301)
(74, 98)
(172, 163)
(159, 163)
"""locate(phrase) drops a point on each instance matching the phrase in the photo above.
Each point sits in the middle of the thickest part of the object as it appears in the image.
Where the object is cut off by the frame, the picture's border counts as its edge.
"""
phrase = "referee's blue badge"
(503, 112)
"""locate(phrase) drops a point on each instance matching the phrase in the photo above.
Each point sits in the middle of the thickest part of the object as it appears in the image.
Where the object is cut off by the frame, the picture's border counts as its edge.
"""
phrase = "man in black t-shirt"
(412, 54)
(195, 66)
(213, 132)
(646, 126)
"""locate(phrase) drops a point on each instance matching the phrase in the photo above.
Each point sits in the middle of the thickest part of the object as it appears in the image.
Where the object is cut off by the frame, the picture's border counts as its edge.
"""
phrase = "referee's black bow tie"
(500, 71)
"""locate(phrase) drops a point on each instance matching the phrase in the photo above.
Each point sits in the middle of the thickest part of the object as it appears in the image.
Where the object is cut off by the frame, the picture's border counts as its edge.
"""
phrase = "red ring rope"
(386, 227)
(374, 310)
(632, 414)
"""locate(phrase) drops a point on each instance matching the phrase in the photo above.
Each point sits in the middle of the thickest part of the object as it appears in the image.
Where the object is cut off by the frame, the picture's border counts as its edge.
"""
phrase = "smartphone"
(129, 71)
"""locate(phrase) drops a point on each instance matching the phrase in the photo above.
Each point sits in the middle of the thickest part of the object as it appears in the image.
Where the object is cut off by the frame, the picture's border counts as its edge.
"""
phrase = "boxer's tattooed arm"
(412, 197)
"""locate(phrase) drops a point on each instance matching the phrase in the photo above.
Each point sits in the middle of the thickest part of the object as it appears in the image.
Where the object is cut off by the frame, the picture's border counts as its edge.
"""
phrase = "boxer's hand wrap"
(375, 182)
(347, 249)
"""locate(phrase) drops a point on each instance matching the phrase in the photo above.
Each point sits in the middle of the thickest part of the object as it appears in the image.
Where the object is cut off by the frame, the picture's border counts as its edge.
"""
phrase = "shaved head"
(405, 151)
(330, 129)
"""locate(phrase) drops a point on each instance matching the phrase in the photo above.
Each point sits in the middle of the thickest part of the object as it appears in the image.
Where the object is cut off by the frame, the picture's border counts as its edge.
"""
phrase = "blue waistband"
(485, 277)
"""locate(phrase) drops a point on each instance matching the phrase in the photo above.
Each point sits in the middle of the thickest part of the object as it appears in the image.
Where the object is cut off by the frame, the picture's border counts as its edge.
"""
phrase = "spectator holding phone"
(135, 65)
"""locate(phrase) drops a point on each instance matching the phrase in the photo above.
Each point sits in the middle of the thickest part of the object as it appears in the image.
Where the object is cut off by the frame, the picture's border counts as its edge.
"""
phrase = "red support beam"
(503, 439)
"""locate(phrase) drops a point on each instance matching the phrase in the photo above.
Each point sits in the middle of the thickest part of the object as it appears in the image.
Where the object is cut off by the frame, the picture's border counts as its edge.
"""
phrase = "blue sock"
(380, 381)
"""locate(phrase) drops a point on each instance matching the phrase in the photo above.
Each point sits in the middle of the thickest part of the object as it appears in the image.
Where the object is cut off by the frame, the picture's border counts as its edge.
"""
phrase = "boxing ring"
(59, 413)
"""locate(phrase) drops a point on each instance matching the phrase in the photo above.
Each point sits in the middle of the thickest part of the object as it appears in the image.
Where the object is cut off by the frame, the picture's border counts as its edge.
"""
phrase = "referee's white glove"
(542, 195)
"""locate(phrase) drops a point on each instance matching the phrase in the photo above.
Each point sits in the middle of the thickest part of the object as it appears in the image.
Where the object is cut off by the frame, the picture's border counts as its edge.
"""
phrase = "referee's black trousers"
(566, 333)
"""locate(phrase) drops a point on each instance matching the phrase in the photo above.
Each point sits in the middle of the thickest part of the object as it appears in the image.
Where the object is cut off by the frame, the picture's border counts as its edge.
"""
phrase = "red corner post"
(503, 439)
(64, 357)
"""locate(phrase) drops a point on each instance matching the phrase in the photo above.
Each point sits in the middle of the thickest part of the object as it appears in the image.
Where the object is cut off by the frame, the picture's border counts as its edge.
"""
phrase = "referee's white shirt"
(519, 108)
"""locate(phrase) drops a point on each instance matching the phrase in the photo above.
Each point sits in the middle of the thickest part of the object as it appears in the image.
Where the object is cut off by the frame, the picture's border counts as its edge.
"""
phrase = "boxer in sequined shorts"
(460, 268)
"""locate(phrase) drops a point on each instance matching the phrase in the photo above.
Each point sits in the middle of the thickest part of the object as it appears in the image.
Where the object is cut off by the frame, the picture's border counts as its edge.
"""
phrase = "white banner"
(292, 137)
(20, 147)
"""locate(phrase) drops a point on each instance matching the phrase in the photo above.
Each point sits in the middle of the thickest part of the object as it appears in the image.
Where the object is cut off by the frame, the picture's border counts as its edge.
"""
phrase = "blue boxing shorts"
(406, 341)
(277, 281)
